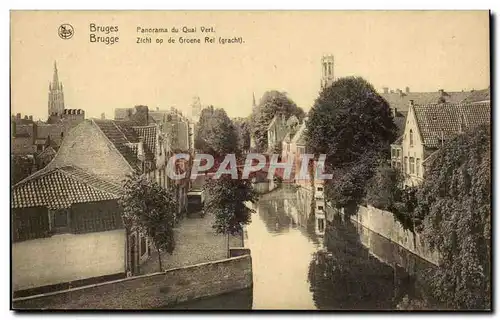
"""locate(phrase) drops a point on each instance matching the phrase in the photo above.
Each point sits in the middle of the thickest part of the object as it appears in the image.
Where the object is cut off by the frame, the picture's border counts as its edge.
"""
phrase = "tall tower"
(327, 74)
(56, 95)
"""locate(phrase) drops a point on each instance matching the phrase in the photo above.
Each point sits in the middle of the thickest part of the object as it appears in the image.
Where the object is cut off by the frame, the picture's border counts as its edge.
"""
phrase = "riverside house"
(427, 128)
(67, 231)
(86, 175)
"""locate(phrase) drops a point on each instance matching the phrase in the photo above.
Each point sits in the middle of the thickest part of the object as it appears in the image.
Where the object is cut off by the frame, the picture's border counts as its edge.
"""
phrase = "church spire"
(56, 95)
(55, 78)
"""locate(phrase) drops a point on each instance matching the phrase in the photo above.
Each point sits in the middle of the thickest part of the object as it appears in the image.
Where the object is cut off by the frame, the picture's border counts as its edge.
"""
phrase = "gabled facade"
(111, 150)
(429, 126)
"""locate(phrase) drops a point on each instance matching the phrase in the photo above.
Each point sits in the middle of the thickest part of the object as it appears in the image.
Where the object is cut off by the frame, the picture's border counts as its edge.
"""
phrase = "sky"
(282, 50)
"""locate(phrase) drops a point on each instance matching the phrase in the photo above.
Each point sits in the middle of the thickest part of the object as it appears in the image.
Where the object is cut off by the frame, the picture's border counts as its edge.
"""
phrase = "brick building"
(427, 127)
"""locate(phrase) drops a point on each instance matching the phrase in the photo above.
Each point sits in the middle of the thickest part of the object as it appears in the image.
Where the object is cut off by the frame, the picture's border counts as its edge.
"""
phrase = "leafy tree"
(455, 199)
(271, 104)
(383, 190)
(242, 127)
(353, 125)
(203, 126)
(150, 210)
(216, 133)
(347, 188)
(227, 199)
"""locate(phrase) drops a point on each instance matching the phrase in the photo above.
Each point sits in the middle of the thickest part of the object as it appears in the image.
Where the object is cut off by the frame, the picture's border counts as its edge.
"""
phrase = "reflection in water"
(351, 268)
(347, 276)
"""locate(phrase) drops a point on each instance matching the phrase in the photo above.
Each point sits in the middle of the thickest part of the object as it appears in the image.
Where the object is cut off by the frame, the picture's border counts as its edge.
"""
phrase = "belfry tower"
(56, 95)
(327, 74)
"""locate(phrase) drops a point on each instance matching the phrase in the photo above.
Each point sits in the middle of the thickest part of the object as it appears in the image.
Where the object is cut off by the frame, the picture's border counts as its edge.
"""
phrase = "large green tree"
(216, 133)
(150, 210)
(353, 125)
(272, 103)
(242, 127)
(455, 201)
(226, 198)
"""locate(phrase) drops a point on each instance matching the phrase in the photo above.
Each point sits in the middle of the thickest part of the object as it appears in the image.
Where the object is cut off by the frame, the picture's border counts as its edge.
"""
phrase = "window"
(411, 138)
(393, 153)
(321, 225)
(397, 153)
(405, 165)
(320, 189)
(412, 165)
(320, 208)
(59, 220)
(418, 167)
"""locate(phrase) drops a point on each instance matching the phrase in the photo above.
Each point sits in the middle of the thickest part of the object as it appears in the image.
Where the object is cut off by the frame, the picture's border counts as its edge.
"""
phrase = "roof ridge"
(111, 143)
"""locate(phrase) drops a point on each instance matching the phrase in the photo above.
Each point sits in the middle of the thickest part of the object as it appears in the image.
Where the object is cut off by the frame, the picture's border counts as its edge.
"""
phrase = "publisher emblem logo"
(66, 31)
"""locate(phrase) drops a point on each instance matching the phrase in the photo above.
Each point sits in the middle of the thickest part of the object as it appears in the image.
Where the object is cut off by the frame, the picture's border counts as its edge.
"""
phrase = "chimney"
(411, 103)
(30, 118)
(157, 109)
(441, 92)
(103, 116)
(386, 90)
(25, 117)
(407, 89)
(18, 116)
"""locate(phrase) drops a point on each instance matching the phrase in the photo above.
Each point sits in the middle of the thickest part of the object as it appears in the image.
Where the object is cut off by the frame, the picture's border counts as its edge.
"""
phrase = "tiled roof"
(149, 135)
(57, 188)
(478, 96)
(441, 121)
(125, 134)
(401, 101)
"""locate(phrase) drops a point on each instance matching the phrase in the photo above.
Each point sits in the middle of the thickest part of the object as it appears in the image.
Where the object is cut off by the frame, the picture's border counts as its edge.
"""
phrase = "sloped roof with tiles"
(478, 96)
(57, 188)
(401, 101)
(441, 121)
(125, 135)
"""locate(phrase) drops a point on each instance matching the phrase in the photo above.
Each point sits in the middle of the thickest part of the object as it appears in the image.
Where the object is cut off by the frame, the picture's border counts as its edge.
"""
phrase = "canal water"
(295, 267)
